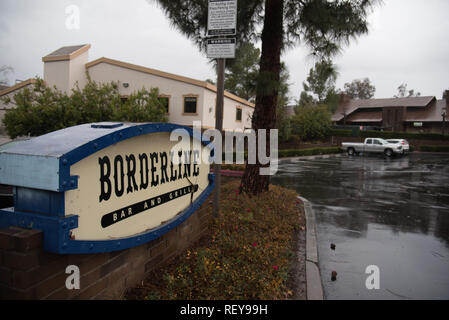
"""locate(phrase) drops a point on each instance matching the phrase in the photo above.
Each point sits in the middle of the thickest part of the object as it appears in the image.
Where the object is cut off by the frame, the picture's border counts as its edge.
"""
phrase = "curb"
(313, 277)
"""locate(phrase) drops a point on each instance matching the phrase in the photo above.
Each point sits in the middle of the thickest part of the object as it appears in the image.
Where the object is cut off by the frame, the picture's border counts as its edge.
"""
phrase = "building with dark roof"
(412, 114)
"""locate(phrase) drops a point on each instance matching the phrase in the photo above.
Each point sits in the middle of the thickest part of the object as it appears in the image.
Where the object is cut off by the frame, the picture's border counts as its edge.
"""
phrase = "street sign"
(222, 17)
(221, 48)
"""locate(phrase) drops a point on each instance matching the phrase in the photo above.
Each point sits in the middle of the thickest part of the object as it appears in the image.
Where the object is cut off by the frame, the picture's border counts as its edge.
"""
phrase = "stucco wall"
(78, 70)
(57, 73)
(104, 73)
(65, 74)
(176, 90)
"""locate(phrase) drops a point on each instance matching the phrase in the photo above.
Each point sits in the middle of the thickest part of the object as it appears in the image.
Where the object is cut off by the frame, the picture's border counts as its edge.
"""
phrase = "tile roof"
(65, 50)
(66, 53)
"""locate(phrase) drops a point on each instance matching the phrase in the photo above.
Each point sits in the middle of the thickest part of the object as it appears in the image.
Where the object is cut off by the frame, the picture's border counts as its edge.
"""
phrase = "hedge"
(403, 135)
(356, 132)
(297, 152)
(434, 148)
(308, 152)
(342, 133)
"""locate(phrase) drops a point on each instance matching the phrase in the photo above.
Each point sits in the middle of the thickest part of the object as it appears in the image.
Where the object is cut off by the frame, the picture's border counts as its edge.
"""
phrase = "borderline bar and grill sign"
(222, 18)
(105, 187)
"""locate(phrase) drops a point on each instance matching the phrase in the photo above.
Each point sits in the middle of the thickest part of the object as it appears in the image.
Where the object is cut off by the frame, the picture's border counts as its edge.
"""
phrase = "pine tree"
(324, 26)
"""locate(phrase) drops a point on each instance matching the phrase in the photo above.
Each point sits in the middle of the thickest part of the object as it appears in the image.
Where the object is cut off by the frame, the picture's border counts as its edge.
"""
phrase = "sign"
(221, 48)
(111, 186)
(417, 124)
(222, 17)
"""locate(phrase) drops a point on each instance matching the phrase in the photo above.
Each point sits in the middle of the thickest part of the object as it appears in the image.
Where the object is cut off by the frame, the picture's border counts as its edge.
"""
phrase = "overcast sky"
(407, 43)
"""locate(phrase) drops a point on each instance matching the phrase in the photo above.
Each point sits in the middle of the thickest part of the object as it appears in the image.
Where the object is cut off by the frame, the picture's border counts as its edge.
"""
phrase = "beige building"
(187, 99)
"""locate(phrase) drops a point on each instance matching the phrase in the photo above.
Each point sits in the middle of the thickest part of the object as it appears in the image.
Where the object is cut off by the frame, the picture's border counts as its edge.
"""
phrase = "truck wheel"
(351, 152)
(388, 153)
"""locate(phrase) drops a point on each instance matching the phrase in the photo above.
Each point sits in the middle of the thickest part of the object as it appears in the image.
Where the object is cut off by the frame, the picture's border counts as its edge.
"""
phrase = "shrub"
(41, 109)
(404, 135)
(312, 122)
(296, 152)
(308, 152)
(434, 148)
(248, 254)
(142, 106)
(341, 133)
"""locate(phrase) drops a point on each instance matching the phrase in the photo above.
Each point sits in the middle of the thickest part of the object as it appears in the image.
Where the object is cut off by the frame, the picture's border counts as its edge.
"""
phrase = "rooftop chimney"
(65, 67)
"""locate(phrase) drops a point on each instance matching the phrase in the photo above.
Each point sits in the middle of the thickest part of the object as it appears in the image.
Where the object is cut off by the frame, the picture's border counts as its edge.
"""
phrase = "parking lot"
(391, 213)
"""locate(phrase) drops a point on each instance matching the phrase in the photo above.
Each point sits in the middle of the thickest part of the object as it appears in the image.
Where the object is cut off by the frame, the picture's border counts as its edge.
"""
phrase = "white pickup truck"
(372, 145)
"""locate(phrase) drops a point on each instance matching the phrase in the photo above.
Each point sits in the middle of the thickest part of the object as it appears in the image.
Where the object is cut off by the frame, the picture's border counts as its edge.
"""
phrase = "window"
(238, 114)
(369, 141)
(190, 104)
(165, 101)
(377, 142)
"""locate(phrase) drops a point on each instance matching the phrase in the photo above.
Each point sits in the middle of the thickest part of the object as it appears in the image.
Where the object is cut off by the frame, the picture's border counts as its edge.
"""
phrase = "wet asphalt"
(391, 213)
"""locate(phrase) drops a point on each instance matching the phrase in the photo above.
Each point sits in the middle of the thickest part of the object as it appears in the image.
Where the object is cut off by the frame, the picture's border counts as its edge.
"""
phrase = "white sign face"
(134, 186)
(221, 48)
(417, 124)
(222, 17)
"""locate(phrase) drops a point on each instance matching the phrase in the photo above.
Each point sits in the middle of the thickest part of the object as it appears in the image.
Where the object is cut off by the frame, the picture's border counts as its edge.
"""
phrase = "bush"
(387, 134)
(308, 152)
(434, 148)
(142, 106)
(286, 153)
(312, 123)
(404, 135)
(248, 255)
(341, 133)
(41, 110)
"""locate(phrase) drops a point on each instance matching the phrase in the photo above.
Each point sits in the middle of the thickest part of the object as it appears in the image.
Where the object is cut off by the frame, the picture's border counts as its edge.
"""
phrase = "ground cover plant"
(247, 255)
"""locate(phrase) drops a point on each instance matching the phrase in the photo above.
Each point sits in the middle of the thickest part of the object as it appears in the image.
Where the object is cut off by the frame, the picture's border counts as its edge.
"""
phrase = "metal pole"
(219, 127)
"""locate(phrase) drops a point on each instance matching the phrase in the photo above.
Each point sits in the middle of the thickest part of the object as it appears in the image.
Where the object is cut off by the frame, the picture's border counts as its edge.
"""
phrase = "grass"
(248, 254)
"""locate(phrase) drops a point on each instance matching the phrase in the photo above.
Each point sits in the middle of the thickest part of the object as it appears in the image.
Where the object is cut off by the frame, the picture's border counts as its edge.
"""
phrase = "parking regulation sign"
(222, 17)
(221, 48)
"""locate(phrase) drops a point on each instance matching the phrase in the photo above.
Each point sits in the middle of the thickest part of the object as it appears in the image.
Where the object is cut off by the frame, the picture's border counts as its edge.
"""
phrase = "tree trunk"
(264, 116)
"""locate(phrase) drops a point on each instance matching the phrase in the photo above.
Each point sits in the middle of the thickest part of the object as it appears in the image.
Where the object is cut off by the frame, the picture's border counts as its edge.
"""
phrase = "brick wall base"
(28, 272)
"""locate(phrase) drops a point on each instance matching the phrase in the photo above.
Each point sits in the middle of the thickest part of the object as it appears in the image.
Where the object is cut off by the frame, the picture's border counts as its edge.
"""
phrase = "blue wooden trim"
(39, 201)
(57, 229)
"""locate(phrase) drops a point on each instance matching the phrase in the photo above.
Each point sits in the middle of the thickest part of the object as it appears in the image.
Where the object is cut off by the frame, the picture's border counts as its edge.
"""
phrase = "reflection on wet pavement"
(392, 213)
